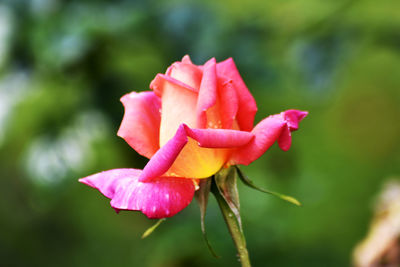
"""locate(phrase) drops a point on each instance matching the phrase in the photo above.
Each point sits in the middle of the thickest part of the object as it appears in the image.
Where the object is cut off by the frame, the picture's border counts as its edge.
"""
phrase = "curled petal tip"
(85, 181)
(186, 59)
(293, 117)
(274, 128)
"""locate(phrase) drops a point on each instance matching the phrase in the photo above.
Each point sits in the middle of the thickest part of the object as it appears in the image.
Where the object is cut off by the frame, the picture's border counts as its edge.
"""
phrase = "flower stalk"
(232, 219)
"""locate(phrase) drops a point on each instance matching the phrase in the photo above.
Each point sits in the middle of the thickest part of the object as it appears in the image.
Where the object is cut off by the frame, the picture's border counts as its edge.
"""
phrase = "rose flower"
(196, 121)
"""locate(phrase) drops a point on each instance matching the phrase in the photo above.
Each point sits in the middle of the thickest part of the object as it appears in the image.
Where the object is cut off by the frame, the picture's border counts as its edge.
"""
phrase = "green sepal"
(221, 192)
(225, 181)
(249, 183)
(152, 228)
(201, 196)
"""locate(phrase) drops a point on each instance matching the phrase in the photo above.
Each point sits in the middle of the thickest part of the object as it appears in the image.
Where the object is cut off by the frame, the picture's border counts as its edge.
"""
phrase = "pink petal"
(285, 138)
(165, 157)
(141, 122)
(162, 161)
(247, 104)
(274, 128)
(266, 133)
(207, 93)
(219, 138)
(186, 59)
(163, 197)
(292, 118)
(157, 84)
(228, 104)
(178, 106)
(185, 72)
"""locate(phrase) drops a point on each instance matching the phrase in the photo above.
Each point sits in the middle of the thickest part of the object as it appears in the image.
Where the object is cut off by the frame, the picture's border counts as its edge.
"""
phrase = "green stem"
(235, 231)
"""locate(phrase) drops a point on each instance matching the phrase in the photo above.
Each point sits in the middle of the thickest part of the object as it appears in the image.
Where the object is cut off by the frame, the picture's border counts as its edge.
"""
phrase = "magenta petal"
(107, 181)
(165, 156)
(219, 138)
(285, 138)
(209, 138)
(140, 126)
(207, 92)
(266, 133)
(163, 197)
(247, 104)
(274, 128)
(292, 118)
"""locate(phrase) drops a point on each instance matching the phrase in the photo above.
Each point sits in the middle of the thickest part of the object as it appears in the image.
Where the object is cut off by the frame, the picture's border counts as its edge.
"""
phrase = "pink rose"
(197, 120)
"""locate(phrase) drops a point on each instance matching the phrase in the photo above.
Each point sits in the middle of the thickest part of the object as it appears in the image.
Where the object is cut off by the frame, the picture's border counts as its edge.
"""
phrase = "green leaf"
(225, 181)
(249, 183)
(202, 198)
(152, 228)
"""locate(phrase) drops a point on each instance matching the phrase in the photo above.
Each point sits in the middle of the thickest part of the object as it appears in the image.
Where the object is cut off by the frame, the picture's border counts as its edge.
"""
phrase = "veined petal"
(184, 157)
(247, 105)
(163, 197)
(207, 92)
(273, 128)
(140, 125)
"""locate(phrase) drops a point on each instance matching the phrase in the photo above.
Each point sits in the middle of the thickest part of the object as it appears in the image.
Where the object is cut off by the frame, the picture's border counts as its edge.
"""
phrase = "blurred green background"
(65, 64)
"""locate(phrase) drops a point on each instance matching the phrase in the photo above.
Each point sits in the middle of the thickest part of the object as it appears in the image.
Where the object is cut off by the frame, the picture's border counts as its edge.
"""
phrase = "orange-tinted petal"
(199, 156)
(178, 106)
(185, 72)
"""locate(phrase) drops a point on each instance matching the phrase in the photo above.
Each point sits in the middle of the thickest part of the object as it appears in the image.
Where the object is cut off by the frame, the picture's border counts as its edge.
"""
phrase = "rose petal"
(141, 122)
(185, 72)
(219, 138)
(177, 107)
(157, 84)
(165, 156)
(247, 104)
(292, 118)
(285, 138)
(163, 197)
(207, 92)
(196, 159)
(273, 128)
(228, 104)
(186, 59)
(266, 133)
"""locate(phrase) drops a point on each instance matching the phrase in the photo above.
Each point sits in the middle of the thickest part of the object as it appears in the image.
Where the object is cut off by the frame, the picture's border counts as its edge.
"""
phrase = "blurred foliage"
(65, 64)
